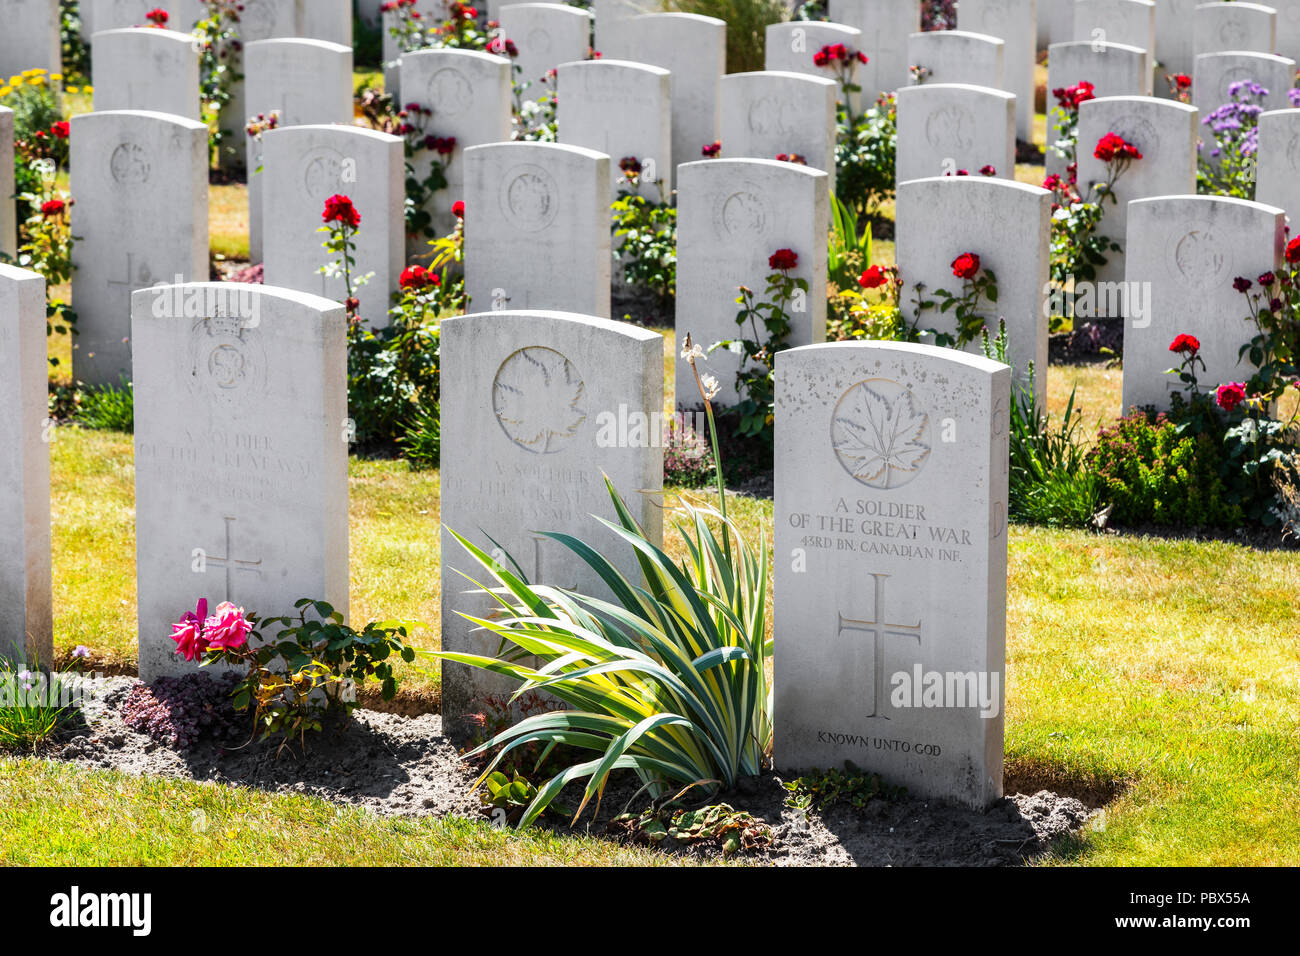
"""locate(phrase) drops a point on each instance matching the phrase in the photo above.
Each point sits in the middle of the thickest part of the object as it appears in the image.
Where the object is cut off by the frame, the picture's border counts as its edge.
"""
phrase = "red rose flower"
(339, 208)
(1293, 251)
(60, 129)
(863, 58)
(873, 278)
(1185, 343)
(1183, 81)
(1241, 284)
(712, 149)
(158, 16)
(966, 265)
(1231, 395)
(52, 207)
(783, 260)
(1053, 182)
(418, 277)
(1267, 279)
(458, 209)
(988, 170)
(1113, 146)
(821, 57)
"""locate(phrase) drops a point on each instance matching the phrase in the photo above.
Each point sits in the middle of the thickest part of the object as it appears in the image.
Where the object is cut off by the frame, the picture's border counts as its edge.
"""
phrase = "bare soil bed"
(399, 765)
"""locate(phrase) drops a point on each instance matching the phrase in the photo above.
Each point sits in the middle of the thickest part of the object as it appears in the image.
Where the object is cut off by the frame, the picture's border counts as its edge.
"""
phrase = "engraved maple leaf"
(539, 398)
(876, 436)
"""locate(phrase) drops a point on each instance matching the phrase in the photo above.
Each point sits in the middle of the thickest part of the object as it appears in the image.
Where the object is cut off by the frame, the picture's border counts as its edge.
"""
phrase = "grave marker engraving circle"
(880, 433)
(1196, 256)
(130, 165)
(539, 39)
(538, 397)
(529, 197)
(321, 173)
(1236, 74)
(1232, 34)
(450, 91)
(950, 128)
(1139, 131)
(743, 212)
(227, 360)
(770, 116)
(260, 18)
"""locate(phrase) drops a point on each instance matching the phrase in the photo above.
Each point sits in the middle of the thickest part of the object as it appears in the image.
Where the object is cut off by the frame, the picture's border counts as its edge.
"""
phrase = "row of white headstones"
(242, 430)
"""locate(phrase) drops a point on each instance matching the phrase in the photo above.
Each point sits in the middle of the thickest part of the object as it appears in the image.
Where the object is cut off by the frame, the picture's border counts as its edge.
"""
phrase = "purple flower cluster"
(1235, 124)
(176, 711)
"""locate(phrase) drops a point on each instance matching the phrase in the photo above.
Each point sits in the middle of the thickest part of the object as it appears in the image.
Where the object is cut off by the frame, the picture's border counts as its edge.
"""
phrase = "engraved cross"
(231, 563)
(879, 630)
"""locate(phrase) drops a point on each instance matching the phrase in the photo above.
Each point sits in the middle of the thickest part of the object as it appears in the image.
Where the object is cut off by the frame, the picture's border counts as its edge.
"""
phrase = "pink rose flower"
(227, 629)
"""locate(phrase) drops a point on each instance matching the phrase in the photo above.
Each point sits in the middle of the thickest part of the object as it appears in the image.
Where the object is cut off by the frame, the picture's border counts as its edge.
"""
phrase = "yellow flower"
(36, 81)
(5, 90)
(71, 89)
(87, 88)
(56, 76)
(15, 81)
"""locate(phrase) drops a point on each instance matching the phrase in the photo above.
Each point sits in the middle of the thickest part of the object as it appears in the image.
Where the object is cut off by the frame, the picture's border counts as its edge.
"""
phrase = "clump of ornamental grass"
(668, 679)
(33, 706)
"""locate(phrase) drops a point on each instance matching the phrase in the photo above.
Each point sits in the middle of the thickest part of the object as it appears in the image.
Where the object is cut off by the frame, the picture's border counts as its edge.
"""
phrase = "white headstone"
(771, 113)
(8, 206)
(694, 50)
(1112, 68)
(1165, 132)
(732, 215)
(1055, 22)
(607, 13)
(955, 56)
(1187, 250)
(307, 82)
(103, 15)
(30, 38)
(885, 26)
(1288, 28)
(791, 47)
(469, 94)
(241, 455)
(527, 398)
(139, 68)
(891, 493)
(546, 34)
(1216, 72)
(537, 228)
(26, 598)
(141, 217)
(1013, 22)
(1131, 22)
(1239, 26)
(1006, 224)
(432, 12)
(327, 20)
(944, 127)
(260, 20)
(305, 165)
(1277, 175)
(1175, 42)
(624, 110)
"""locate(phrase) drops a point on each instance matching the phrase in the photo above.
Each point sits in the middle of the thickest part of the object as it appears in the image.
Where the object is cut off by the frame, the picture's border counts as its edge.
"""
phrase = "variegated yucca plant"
(668, 679)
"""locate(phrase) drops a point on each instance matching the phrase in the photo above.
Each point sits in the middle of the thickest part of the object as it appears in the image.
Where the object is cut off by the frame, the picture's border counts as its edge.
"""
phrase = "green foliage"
(824, 789)
(220, 68)
(668, 680)
(1049, 481)
(966, 307)
(36, 107)
(849, 251)
(865, 156)
(302, 655)
(108, 407)
(32, 707)
(747, 22)
(721, 825)
(513, 795)
(1149, 471)
(421, 440)
(645, 234)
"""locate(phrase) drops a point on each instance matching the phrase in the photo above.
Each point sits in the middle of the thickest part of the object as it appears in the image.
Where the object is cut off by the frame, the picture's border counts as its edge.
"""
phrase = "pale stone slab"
(260, 20)
(1113, 69)
(30, 38)
(1216, 72)
(945, 127)
(526, 396)
(141, 217)
(1007, 224)
(307, 82)
(1277, 176)
(791, 47)
(1015, 23)
(885, 26)
(732, 215)
(956, 56)
(1219, 27)
(99, 16)
(241, 455)
(694, 50)
(8, 205)
(1055, 22)
(305, 165)
(1131, 22)
(140, 68)
(607, 13)
(326, 20)
(432, 11)
(1187, 250)
(26, 597)
(891, 523)
(768, 113)
(469, 94)
(1165, 132)
(622, 109)
(537, 228)
(1175, 41)
(546, 34)
(1288, 28)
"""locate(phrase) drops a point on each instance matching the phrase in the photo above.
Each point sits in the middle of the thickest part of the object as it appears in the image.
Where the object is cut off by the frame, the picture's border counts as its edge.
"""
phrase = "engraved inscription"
(321, 173)
(227, 361)
(1198, 258)
(130, 165)
(1139, 131)
(539, 400)
(950, 128)
(881, 434)
(450, 92)
(529, 198)
(771, 116)
(744, 212)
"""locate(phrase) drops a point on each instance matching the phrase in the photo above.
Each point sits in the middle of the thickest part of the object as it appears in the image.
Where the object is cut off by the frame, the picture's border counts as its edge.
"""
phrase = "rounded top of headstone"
(956, 89)
(341, 131)
(590, 323)
(1096, 47)
(774, 76)
(609, 65)
(1206, 204)
(1136, 102)
(298, 43)
(970, 36)
(814, 28)
(693, 21)
(106, 117)
(151, 34)
(975, 184)
(550, 9)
